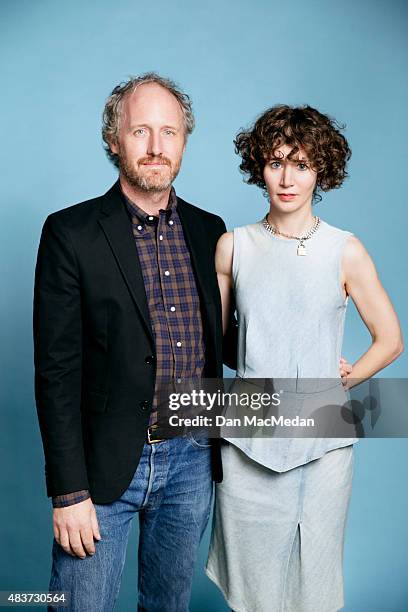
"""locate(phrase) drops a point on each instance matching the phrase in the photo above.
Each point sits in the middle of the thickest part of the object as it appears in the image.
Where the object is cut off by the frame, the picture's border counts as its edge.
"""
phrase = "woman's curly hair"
(319, 135)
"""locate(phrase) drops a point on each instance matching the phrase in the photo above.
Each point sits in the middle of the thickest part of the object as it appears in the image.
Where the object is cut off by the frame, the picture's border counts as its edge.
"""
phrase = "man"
(126, 297)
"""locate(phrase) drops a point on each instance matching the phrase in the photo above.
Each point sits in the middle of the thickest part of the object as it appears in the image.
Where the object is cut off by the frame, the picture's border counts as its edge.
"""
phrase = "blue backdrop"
(59, 62)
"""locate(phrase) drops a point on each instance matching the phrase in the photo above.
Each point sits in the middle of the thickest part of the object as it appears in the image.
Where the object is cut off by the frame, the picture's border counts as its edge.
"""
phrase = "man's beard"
(153, 179)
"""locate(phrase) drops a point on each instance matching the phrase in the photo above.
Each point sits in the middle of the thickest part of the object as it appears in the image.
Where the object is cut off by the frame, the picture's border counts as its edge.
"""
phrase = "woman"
(278, 532)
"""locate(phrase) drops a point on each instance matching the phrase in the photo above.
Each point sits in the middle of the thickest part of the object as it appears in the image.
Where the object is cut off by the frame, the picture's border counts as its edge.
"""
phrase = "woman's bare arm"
(361, 282)
(223, 266)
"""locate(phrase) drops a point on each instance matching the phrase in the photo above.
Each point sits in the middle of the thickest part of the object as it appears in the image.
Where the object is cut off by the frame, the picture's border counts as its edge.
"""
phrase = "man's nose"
(287, 177)
(154, 145)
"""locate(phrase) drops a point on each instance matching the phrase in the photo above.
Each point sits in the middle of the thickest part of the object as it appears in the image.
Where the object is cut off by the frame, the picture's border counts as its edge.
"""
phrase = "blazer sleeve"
(58, 359)
(230, 339)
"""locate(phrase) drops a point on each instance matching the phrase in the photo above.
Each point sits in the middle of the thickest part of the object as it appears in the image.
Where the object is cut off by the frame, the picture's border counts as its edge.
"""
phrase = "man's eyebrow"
(134, 126)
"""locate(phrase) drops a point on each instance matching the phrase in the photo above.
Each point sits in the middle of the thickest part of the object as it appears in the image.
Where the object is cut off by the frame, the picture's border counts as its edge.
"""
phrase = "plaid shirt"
(173, 303)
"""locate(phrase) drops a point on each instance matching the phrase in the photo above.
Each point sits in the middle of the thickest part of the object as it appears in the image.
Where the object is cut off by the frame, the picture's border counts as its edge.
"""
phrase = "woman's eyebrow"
(291, 159)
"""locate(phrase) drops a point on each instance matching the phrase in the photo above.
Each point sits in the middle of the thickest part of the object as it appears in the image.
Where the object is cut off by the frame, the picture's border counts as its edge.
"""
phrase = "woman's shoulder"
(249, 230)
(333, 231)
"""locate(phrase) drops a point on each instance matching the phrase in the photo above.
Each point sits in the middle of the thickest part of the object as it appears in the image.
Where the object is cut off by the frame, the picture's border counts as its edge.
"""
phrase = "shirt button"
(173, 308)
(167, 273)
(179, 380)
(160, 237)
(178, 343)
(139, 227)
(171, 222)
(150, 218)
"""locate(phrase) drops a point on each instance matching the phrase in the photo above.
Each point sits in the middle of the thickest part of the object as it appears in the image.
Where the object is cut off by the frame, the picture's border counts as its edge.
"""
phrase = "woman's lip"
(286, 196)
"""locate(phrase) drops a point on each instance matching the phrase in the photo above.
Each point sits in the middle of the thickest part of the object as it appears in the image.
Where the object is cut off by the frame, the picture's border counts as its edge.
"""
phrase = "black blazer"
(93, 344)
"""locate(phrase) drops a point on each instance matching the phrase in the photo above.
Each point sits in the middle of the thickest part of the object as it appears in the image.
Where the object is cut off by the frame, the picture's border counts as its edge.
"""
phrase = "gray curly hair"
(113, 107)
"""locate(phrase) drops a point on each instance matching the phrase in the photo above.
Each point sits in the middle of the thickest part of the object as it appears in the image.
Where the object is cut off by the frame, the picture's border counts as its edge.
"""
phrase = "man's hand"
(76, 527)
(345, 369)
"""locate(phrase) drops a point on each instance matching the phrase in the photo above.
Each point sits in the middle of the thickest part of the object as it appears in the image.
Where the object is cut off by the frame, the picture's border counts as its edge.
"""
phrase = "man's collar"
(143, 216)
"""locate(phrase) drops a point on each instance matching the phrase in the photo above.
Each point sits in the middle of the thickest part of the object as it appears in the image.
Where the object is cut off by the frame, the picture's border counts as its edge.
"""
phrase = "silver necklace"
(301, 250)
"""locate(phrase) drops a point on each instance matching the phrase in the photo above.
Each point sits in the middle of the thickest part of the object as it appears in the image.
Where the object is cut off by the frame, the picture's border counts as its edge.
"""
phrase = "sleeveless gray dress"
(280, 512)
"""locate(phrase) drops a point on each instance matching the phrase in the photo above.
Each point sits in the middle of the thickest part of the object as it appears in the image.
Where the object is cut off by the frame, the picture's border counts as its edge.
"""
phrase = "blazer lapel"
(118, 231)
(194, 233)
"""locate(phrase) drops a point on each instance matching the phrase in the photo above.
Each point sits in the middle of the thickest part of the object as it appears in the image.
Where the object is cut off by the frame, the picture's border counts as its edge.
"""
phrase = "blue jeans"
(171, 490)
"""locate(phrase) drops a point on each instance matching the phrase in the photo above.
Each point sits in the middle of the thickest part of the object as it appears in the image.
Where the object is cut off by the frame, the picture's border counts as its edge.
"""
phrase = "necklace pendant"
(301, 250)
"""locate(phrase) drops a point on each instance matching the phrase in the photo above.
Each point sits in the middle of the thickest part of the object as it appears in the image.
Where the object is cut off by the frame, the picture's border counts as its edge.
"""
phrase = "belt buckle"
(150, 431)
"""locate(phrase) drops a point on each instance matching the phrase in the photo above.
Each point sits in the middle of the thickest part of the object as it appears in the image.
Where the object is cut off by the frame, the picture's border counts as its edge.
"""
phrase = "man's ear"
(113, 146)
